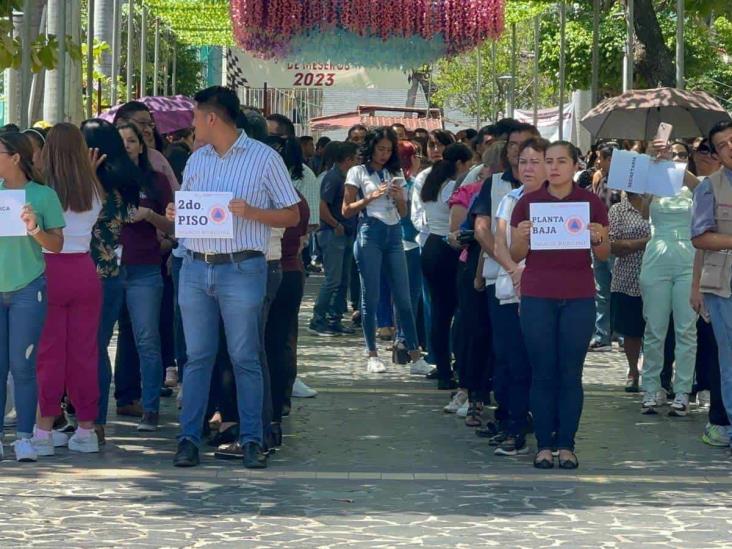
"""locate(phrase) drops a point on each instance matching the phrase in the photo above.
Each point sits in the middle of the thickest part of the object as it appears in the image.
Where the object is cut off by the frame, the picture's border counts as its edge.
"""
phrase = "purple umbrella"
(170, 113)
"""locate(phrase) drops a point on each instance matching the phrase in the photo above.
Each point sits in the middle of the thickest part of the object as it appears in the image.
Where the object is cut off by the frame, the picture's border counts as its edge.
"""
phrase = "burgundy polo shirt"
(559, 274)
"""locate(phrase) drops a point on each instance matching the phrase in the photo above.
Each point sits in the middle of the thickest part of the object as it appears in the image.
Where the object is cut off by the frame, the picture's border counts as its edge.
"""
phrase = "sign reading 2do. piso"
(560, 225)
(203, 215)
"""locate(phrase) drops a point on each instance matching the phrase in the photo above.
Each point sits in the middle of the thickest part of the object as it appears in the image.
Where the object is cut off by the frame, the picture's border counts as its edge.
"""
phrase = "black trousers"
(472, 341)
(439, 267)
(281, 338)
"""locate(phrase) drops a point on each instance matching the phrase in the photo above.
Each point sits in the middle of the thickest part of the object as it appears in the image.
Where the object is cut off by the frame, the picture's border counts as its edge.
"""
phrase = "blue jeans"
(720, 311)
(377, 245)
(22, 315)
(603, 277)
(235, 293)
(414, 273)
(112, 297)
(517, 371)
(143, 287)
(385, 308)
(557, 333)
(337, 252)
(180, 340)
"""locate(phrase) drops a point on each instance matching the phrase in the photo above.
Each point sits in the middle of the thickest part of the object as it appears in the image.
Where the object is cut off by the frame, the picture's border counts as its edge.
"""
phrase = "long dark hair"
(393, 165)
(290, 151)
(17, 143)
(147, 174)
(444, 170)
(117, 172)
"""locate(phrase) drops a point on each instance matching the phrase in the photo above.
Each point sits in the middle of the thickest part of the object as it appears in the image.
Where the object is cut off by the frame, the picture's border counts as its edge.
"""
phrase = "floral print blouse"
(105, 234)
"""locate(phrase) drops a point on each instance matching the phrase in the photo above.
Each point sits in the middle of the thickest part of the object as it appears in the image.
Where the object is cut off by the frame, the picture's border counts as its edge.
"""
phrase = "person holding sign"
(558, 301)
(665, 284)
(226, 277)
(23, 283)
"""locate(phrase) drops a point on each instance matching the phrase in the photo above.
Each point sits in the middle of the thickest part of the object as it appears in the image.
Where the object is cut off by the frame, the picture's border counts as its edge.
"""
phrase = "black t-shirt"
(331, 192)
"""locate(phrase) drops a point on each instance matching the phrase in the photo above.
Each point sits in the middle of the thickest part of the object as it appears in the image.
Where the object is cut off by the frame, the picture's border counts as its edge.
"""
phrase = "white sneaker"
(661, 398)
(88, 444)
(301, 390)
(458, 399)
(375, 365)
(171, 376)
(703, 399)
(420, 368)
(680, 405)
(59, 439)
(463, 410)
(24, 450)
(11, 418)
(649, 404)
(44, 446)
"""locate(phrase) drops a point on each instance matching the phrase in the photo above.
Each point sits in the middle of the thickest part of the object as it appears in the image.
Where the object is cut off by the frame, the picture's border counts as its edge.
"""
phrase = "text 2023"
(314, 79)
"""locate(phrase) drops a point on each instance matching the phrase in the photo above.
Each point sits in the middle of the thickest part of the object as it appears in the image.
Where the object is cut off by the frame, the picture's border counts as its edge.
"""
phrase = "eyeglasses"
(143, 123)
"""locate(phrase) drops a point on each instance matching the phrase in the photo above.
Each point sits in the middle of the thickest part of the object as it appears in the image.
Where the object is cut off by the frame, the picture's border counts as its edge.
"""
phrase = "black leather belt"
(219, 259)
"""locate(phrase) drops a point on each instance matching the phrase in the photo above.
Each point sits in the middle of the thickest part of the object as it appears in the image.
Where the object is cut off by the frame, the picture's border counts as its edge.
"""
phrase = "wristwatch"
(35, 231)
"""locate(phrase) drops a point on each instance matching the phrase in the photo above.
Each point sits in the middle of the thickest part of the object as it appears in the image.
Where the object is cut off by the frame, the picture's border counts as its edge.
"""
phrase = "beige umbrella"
(637, 113)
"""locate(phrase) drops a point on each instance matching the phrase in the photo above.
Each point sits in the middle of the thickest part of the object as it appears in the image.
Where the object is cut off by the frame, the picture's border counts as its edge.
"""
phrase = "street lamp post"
(130, 61)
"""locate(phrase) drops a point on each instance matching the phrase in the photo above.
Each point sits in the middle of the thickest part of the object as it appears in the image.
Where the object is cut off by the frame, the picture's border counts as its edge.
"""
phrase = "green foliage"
(707, 61)
(44, 54)
(196, 22)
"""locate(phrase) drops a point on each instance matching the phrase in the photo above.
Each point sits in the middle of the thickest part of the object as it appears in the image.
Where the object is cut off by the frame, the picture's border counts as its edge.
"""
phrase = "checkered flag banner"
(234, 75)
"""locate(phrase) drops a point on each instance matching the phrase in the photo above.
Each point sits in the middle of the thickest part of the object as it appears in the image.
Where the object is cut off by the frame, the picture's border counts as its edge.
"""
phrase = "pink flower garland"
(266, 27)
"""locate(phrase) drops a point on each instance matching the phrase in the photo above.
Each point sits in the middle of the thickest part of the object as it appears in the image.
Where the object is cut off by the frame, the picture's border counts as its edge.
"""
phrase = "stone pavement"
(373, 462)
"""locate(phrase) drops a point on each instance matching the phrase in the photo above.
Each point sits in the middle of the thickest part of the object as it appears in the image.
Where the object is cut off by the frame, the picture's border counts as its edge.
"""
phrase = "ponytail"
(444, 170)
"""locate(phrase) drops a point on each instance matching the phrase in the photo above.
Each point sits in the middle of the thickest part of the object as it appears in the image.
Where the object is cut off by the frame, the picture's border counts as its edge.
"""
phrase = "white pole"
(89, 57)
(143, 51)
(156, 57)
(478, 84)
(115, 52)
(61, 69)
(25, 62)
(514, 57)
(175, 67)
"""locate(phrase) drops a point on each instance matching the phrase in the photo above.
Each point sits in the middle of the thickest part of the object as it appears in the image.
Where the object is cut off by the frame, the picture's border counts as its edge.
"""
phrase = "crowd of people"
(424, 239)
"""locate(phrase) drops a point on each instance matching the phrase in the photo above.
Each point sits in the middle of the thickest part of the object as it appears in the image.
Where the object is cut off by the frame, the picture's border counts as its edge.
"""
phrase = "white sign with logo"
(639, 173)
(203, 215)
(560, 225)
(11, 206)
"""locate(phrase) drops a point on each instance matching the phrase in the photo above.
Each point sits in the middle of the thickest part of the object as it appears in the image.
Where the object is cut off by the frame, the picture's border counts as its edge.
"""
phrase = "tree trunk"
(654, 62)
(103, 28)
(38, 26)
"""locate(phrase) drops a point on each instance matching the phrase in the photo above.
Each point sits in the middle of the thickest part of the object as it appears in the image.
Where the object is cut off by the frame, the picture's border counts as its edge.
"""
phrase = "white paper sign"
(638, 173)
(560, 225)
(203, 215)
(11, 206)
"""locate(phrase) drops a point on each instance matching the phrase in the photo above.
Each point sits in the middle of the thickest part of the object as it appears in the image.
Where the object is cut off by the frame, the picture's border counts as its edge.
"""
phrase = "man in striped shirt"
(228, 277)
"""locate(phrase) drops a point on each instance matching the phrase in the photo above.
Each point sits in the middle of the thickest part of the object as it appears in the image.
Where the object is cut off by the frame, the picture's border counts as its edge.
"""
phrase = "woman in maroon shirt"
(281, 330)
(558, 308)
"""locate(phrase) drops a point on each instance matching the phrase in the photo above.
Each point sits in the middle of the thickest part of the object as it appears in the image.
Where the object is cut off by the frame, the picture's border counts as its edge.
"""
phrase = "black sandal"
(543, 463)
(569, 463)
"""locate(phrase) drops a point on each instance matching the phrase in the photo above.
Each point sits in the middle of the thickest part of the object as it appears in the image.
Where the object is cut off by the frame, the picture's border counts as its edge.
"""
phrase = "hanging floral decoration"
(389, 33)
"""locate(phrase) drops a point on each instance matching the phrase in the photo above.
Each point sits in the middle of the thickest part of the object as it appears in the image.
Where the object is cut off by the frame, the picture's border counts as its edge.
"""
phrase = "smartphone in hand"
(664, 132)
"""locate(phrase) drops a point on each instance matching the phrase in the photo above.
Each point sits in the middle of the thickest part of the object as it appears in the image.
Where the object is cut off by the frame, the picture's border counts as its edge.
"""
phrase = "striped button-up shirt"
(251, 171)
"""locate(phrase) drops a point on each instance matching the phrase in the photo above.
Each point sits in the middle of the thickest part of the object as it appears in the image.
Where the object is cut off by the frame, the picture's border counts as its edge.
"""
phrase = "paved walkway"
(373, 462)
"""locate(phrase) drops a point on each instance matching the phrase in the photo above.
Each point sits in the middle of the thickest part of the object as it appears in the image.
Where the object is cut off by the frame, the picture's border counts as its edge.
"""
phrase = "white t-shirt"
(383, 208)
(78, 229)
(499, 189)
(473, 174)
(505, 210)
(309, 186)
(417, 207)
(437, 213)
